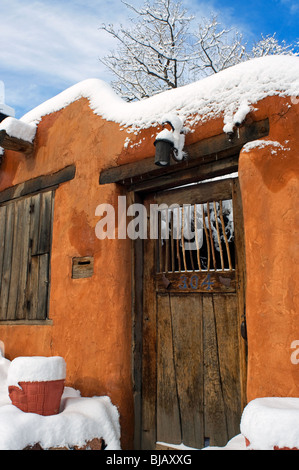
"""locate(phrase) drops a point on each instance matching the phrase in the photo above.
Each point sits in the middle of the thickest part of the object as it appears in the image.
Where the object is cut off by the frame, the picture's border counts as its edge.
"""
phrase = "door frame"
(211, 157)
(138, 312)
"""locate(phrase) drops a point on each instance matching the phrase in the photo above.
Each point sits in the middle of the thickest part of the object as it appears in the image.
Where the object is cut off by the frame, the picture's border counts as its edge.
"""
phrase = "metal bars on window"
(196, 237)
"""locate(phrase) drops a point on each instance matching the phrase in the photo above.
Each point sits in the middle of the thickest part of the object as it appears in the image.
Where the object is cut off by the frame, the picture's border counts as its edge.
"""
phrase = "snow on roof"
(231, 92)
(19, 129)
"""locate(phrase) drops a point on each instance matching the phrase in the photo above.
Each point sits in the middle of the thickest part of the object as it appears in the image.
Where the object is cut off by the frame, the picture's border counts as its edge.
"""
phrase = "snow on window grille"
(197, 237)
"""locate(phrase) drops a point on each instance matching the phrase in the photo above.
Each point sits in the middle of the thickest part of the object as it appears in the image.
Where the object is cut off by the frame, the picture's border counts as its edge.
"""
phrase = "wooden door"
(194, 358)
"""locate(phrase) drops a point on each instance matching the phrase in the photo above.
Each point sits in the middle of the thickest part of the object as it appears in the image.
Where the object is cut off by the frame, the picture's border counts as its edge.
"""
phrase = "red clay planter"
(36, 384)
(42, 398)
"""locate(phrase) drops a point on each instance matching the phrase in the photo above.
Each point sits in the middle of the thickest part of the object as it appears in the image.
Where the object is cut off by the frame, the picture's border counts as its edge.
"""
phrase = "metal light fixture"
(164, 149)
(169, 142)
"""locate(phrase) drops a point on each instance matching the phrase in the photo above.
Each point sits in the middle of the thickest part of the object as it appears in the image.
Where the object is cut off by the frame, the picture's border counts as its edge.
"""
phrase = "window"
(196, 237)
(25, 245)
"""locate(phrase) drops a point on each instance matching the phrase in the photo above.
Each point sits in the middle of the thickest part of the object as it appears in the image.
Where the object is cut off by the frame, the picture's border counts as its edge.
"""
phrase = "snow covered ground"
(80, 419)
(266, 422)
(236, 443)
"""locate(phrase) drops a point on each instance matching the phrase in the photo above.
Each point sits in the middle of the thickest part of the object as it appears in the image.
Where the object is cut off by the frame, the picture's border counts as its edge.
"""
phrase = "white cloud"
(51, 38)
(48, 45)
(293, 6)
(51, 44)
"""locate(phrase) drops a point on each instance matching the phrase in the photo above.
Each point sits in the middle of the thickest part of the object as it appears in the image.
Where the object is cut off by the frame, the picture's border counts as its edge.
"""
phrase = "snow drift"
(231, 92)
(80, 419)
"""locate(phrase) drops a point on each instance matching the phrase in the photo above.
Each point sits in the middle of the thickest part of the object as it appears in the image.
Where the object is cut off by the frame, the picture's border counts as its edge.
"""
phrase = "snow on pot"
(271, 423)
(36, 383)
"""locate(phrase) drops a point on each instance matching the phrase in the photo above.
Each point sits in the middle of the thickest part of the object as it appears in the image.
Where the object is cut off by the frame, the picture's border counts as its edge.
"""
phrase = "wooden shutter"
(25, 244)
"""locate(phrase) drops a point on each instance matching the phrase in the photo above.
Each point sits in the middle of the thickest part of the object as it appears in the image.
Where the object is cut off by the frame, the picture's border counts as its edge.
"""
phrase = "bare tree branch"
(161, 49)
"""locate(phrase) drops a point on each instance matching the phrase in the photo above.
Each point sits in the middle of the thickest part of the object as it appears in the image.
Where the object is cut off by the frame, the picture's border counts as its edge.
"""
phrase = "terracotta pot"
(42, 398)
(275, 447)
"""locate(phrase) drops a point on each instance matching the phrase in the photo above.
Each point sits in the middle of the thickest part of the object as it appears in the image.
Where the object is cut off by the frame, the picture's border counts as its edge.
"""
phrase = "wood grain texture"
(25, 244)
(193, 354)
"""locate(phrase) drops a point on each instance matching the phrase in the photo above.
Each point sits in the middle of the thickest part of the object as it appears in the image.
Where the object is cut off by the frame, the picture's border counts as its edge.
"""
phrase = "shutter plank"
(15, 262)
(43, 283)
(44, 232)
(32, 288)
(34, 222)
(32, 283)
(2, 239)
(40, 241)
(24, 229)
(6, 269)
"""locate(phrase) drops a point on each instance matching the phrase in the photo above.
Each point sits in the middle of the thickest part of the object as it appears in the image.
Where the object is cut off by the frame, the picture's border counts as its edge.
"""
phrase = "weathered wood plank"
(186, 313)
(43, 284)
(15, 264)
(197, 193)
(2, 239)
(32, 288)
(241, 283)
(6, 269)
(227, 333)
(43, 240)
(33, 262)
(189, 175)
(14, 143)
(149, 351)
(168, 406)
(137, 318)
(24, 229)
(214, 412)
(35, 213)
(38, 184)
(211, 149)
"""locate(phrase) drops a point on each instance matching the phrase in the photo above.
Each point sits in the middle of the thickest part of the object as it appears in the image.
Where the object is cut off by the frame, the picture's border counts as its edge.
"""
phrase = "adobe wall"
(269, 179)
(91, 318)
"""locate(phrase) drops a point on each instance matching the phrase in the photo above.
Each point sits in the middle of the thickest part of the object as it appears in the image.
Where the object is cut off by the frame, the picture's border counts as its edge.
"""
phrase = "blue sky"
(48, 45)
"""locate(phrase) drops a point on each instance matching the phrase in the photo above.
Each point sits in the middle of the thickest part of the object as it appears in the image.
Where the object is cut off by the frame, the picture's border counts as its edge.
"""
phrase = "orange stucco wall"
(269, 179)
(91, 318)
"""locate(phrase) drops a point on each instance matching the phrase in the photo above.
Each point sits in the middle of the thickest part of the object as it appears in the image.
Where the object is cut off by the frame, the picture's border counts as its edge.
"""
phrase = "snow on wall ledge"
(19, 129)
(228, 92)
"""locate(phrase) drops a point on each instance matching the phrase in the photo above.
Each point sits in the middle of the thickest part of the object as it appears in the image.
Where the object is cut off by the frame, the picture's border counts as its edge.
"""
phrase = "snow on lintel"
(17, 135)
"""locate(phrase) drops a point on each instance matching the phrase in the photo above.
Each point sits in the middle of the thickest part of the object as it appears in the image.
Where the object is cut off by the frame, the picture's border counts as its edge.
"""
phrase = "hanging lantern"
(164, 149)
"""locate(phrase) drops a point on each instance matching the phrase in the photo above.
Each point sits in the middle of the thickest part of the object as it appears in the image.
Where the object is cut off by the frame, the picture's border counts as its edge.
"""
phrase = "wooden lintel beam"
(40, 183)
(13, 143)
(206, 150)
(207, 170)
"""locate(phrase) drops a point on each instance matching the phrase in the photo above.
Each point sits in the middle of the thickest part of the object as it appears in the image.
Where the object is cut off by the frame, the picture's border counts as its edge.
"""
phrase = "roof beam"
(14, 143)
(207, 150)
